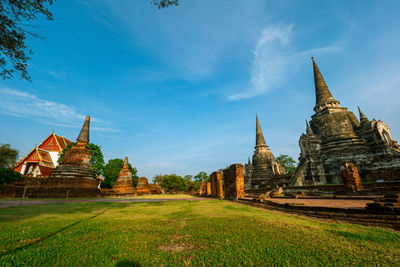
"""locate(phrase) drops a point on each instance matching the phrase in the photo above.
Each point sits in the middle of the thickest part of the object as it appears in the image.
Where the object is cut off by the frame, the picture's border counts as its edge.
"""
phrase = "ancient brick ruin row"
(228, 184)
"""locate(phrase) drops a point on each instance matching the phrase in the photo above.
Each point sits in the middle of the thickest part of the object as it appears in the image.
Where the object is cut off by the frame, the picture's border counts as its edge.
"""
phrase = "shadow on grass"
(128, 263)
(376, 235)
(13, 214)
(12, 251)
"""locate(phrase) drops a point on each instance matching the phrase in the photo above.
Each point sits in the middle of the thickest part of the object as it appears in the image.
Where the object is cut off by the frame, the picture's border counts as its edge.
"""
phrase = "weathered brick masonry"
(234, 182)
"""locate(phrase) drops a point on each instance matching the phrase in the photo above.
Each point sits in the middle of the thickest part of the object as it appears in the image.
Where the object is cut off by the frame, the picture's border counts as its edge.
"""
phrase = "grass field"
(207, 232)
(160, 196)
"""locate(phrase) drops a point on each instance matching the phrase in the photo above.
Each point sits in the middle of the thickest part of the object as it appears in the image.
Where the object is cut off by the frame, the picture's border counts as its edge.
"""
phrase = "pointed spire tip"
(84, 134)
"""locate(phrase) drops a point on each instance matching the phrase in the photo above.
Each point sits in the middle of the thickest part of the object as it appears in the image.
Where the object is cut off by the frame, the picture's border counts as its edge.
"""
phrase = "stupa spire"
(322, 94)
(84, 134)
(309, 131)
(363, 118)
(260, 141)
(126, 162)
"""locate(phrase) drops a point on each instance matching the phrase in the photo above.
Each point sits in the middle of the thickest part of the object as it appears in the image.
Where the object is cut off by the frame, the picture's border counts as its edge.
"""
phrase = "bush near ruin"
(8, 176)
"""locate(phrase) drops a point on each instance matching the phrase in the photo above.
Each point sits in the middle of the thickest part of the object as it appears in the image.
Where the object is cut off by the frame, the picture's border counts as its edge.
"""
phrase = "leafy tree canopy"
(188, 177)
(165, 3)
(8, 176)
(202, 175)
(157, 178)
(97, 157)
(288, 162)
(8, 156)
(16, 18)
(111, 171)
(173, 183)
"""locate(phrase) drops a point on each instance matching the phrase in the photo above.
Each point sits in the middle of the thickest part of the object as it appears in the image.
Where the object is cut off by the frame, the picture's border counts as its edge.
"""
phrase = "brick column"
(219, 186)
(213, 180)
(234, 182)
(208, 189)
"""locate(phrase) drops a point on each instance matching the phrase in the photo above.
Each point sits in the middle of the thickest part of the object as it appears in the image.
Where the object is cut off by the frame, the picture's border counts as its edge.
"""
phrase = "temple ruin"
(124, 185)
(335, 136)
(143, 187)
(264, 167)
(76, 168)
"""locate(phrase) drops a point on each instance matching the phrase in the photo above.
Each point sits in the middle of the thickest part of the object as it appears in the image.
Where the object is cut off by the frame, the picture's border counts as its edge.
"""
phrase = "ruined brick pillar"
(208, 193)
(213, 180)
(350, 177)
(203, 189)
(219, 186)
(234, 182)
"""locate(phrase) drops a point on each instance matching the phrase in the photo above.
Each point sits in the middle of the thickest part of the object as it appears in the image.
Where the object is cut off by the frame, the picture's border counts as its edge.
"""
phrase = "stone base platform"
(51, 188)
(118, 193)
(353, 213)
(73, 172)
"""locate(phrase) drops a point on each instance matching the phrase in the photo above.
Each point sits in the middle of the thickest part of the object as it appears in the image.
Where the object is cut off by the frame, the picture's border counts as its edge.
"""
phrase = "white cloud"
(26, 105)
(274, 60)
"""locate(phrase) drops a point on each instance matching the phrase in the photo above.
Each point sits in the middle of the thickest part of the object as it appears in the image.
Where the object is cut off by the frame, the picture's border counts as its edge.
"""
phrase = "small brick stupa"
(124, 185)
(76, 171)
(143, 187)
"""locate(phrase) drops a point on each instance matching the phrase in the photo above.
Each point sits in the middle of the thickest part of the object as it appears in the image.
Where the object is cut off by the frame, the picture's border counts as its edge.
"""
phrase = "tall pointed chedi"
(124, 185)
(323, 96)
(264, 166)
(76, 172)
(335, 136)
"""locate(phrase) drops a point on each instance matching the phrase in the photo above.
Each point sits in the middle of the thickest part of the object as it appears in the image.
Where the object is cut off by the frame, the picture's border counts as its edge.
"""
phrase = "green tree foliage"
(97, 157)
(200, 176)
(16, 24)
(165, 3)
(188, 177)
(111, 171)
(173, 183)
(288, 162)
(8, 156)
(157, 179)
(8, 176)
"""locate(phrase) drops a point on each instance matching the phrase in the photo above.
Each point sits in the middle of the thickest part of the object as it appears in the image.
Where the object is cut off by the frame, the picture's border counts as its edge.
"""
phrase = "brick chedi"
(143, 187)
(76, 172)
(234, 182)
(155, 189)
(264, 166)
(335, 136)
(124, 185)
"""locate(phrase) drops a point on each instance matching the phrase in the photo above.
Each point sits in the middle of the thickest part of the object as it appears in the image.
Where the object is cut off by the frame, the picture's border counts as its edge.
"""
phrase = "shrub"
(8, 176)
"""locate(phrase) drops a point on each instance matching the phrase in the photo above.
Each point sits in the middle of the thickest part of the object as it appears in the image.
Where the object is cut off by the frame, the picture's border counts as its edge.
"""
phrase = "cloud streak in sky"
(25, 105)
(274, 60)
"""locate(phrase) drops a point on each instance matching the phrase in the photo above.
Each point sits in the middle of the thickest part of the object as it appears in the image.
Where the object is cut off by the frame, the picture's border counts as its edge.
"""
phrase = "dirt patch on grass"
(174, 247)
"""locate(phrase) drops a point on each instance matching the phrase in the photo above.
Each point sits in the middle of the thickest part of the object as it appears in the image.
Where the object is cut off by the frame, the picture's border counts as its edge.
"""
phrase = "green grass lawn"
(159, 196)
(208, 232)
(164, 196)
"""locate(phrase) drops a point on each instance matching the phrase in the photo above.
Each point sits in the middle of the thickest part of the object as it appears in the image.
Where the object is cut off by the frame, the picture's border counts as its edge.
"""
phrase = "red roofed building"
(43, 158)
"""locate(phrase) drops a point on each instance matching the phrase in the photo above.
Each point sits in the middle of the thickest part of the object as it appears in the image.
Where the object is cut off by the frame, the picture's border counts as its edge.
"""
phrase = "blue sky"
(177, 90)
